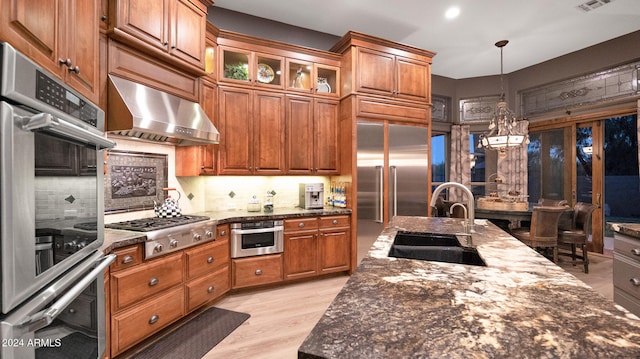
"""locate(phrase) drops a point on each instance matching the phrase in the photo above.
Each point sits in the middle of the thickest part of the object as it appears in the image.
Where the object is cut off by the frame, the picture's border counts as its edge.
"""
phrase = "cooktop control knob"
(197, 236)
(208, 233)
(173, 243)
(158, 248)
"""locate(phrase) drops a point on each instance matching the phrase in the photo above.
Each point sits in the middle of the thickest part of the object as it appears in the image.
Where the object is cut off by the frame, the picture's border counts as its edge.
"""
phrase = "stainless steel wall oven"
(256, 238)
(51, 214)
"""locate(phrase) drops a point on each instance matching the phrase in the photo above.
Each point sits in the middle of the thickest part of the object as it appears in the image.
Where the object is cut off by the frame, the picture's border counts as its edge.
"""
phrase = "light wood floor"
(282, 317)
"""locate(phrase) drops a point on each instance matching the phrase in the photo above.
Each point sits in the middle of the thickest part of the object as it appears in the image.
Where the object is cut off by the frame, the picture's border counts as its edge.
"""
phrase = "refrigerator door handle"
(380, 195)
(394, 193)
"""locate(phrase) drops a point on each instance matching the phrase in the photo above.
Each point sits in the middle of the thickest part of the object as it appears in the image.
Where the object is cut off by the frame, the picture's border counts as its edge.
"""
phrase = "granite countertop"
(630, 229)
(115, 238)
(519, 305)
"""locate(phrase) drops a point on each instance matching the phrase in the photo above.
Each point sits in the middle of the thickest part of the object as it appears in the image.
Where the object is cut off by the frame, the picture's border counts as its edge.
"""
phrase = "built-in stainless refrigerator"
(406, 171)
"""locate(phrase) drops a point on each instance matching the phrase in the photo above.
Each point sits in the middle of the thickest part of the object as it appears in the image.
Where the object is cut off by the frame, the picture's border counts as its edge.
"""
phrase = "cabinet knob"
(210, 289)
(210, 260)
(154, 318)
(223, 233)
(66, 62)
(636, 251)
(165, 43)
(301, 224)
(75, 69)
(258, 271)
(127, 259)
(153, 281)
(335, 221)
(104, 18)
(635, 281)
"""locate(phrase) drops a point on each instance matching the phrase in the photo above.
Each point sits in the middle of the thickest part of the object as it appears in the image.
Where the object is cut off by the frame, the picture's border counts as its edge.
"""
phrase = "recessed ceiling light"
(452, 12)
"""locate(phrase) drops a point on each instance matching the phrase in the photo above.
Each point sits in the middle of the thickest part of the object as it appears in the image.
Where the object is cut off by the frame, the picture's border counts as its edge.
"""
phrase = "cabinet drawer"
(137, 323)
(300, 224)
(207, 258)
(334, 221)
(626, 275)
(126, 257)
(627, 246)
(223, 233)
(207, 288)
(139, 282)
(628, 302)
(257, 270)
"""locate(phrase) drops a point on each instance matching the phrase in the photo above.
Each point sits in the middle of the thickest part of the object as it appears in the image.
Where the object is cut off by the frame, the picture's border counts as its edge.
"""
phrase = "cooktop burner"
(154, 223)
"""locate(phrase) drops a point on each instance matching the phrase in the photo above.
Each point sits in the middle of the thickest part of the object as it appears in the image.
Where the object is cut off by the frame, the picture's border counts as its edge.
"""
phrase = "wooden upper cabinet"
(176, 28)
(391, 75)
(312, 136)
(314, 78)
(246, 67)
(60, 35)
(251, 126)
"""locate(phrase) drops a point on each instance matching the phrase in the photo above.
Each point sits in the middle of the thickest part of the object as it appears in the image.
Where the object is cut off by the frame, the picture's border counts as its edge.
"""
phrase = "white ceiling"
(537, 30)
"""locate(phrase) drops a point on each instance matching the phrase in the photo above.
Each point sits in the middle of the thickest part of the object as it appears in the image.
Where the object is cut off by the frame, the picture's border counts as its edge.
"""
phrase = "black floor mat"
(195, 338)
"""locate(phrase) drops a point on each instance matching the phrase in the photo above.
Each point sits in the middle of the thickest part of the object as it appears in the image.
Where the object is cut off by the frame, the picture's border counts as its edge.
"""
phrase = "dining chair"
(543, 232)
(552, 202)
(578, 234)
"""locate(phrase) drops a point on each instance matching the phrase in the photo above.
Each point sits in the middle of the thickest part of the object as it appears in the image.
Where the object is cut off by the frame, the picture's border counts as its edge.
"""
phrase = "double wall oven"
(51, 216)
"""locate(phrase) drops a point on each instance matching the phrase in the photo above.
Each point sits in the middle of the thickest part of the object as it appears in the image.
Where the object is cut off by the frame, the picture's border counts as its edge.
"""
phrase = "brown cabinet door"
(32, 28)
(335, 250)
(258, 270)
(236, 128)
(188, 32)
(375, 72)
(326, 137)
(83, 47)
(146, 20)
(268, 133)
(300, 254)
(299, 136)
(412, 79)
(207, 288)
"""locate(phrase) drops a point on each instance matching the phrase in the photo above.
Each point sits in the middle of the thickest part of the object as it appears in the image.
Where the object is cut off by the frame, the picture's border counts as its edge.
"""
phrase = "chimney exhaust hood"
(138, 111)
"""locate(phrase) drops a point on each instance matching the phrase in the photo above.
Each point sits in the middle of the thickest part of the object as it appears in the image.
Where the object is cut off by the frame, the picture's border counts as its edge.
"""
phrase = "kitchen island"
(519, 305)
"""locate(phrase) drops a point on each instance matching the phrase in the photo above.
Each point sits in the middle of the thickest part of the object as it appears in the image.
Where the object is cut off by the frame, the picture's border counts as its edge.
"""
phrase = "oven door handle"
(59, 127)
(259, 230)
(44, 317)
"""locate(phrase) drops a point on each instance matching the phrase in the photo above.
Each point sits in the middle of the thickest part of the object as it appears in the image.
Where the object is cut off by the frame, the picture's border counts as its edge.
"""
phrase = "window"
(438, 159)
(477, 166)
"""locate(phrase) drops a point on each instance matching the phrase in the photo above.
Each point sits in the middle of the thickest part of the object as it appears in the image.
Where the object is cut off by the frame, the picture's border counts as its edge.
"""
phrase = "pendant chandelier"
(504, 132)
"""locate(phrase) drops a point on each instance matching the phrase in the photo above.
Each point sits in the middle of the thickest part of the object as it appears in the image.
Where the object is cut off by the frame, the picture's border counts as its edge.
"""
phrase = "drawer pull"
(635, 281)
(154, 318)
(301, 224)
(258, 271)
(636, 251)
(210, 289)
(210, 260)
(223, 233)
(335, 221)
(153, 282)
(127, 259)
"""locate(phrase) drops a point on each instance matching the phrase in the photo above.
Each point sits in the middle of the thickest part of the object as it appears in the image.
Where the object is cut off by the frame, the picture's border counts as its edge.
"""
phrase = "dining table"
(511, 219)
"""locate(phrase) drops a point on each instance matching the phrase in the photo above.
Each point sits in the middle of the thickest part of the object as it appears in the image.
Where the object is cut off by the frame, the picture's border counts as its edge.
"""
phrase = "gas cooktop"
(155, 223)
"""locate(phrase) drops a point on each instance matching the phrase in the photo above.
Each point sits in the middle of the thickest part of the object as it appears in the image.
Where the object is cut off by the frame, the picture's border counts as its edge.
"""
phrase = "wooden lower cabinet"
(317, 245)
(258, 270)
(207, 288)
(147, 296)
(138, 322)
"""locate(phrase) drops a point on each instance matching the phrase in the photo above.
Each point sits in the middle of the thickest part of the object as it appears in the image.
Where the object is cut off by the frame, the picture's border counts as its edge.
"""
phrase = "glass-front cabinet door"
(251, 68)
(313, 78)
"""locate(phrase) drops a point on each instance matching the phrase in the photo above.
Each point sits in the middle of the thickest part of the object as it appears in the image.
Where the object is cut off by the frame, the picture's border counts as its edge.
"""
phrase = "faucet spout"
(471, 214)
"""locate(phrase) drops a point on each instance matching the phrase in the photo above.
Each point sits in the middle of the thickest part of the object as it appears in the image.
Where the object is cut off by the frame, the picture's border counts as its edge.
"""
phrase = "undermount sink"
(433, 247)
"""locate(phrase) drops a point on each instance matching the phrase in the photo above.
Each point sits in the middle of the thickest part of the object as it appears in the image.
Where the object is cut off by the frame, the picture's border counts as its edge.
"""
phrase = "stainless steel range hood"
(145, 113)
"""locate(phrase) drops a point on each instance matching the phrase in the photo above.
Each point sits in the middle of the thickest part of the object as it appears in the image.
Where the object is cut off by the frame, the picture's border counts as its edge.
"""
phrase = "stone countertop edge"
(520, 305)
(630, 229)
(116, 238)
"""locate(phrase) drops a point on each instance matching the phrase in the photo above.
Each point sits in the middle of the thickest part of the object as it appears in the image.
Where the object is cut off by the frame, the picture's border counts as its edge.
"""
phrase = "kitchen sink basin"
(433, 247)
(405, 238)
